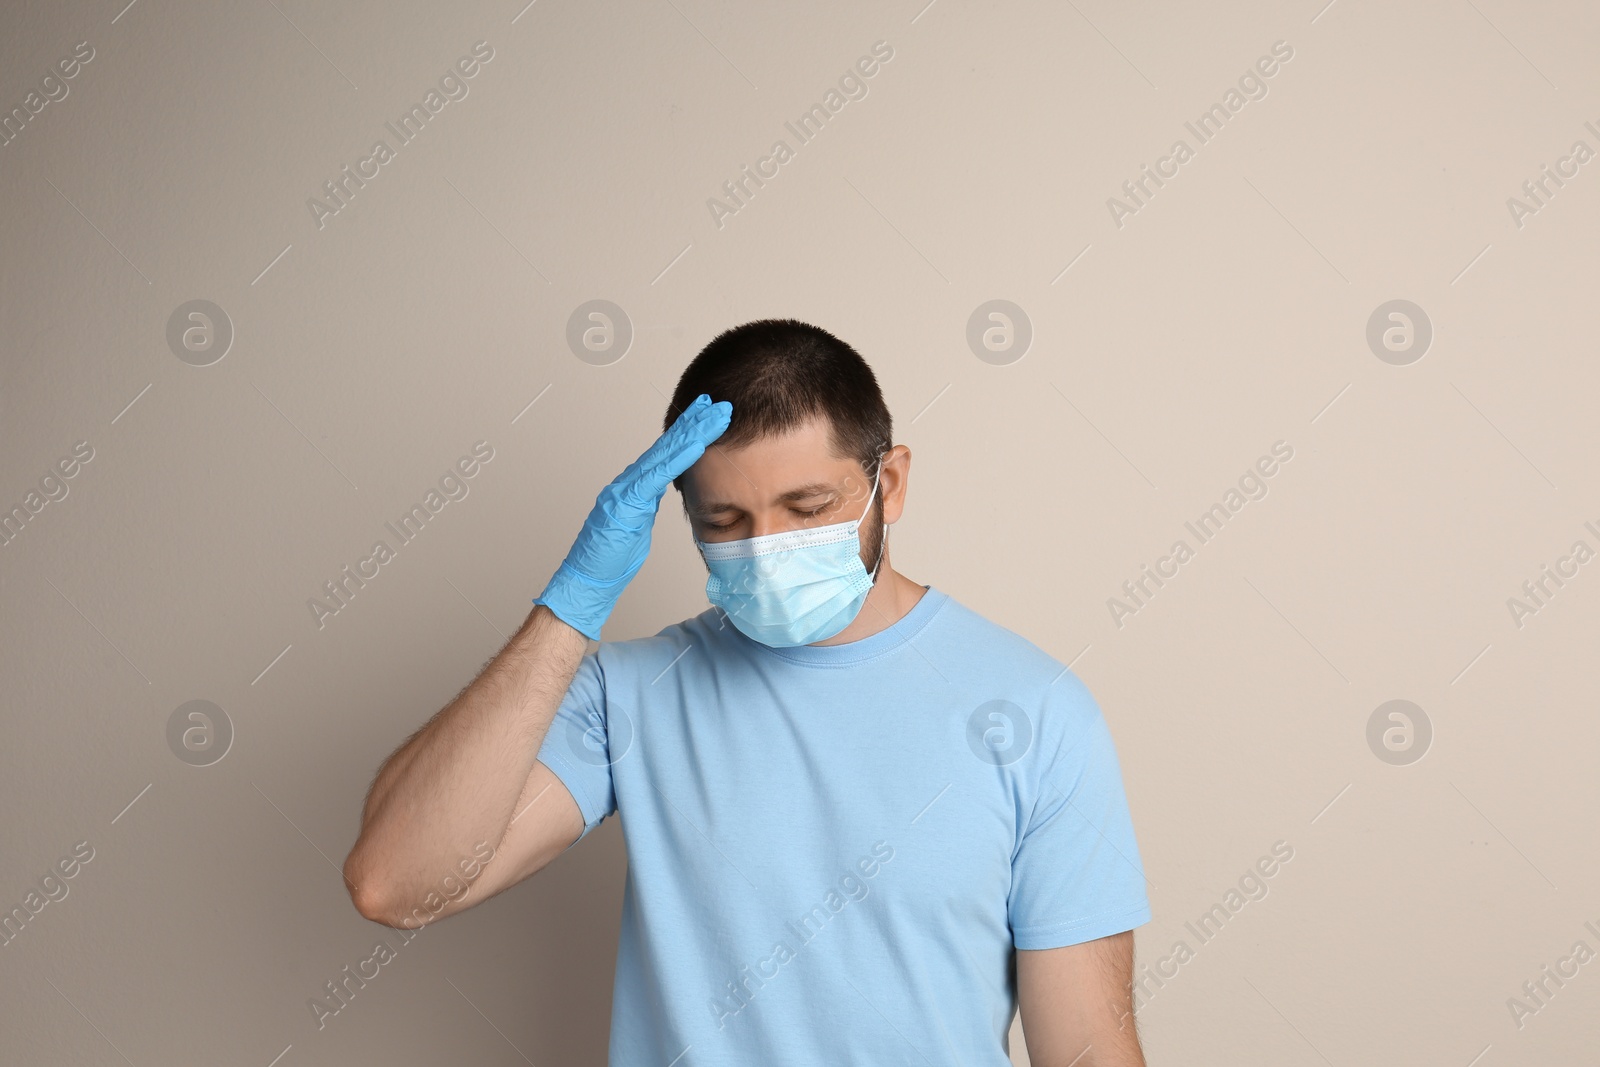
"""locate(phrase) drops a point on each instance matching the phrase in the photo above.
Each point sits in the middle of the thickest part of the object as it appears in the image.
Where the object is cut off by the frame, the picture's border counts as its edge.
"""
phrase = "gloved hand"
(615, 538)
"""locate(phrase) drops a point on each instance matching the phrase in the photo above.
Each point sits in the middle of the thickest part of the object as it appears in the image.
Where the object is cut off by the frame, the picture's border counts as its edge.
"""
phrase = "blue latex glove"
(615, 538)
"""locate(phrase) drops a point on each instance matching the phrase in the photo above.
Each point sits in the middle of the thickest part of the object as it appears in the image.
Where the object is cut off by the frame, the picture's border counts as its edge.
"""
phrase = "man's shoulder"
(996, 644)
(659, 649)
(1028, 675)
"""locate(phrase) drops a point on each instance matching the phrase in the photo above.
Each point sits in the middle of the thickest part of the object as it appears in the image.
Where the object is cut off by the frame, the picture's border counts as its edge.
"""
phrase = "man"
(863, 824)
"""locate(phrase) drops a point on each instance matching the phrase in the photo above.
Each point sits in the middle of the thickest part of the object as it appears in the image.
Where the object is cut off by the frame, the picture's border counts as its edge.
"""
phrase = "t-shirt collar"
(869, 647)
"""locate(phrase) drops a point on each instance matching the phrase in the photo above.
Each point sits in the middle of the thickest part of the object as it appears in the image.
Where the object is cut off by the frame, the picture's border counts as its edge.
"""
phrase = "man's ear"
(895, 481)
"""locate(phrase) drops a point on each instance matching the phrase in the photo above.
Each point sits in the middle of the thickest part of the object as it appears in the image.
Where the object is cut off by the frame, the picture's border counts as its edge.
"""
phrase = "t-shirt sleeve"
(1076, 874)
(578, 745)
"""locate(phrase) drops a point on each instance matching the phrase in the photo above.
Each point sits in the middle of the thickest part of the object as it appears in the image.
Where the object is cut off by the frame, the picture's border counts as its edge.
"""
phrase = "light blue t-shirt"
(833, 851)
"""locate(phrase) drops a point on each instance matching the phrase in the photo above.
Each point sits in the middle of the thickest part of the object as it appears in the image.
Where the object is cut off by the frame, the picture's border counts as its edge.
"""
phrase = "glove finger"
(666, 442)
(685, 445)
(646, 479)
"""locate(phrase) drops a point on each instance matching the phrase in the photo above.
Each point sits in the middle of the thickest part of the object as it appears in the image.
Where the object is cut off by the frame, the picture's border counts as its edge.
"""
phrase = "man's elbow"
(379, 908)
(367, 890)
(377, 903)
(371, 905)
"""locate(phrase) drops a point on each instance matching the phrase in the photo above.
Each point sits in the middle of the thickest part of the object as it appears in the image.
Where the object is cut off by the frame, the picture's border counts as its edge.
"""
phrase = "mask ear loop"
(883, 543)
(872, 496)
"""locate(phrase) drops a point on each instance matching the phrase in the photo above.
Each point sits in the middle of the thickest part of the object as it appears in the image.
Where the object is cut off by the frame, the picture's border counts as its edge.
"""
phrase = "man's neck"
(891, 597)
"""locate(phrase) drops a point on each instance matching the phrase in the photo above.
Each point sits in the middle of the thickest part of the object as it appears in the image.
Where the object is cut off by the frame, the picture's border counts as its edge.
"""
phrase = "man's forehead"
(776, 465)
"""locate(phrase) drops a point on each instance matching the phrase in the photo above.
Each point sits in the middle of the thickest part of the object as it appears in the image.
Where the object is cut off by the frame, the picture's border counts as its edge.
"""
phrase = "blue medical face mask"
(795, 587)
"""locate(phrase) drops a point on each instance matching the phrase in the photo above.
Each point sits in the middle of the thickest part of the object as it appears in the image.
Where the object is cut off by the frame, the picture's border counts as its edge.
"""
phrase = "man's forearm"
(455, 781)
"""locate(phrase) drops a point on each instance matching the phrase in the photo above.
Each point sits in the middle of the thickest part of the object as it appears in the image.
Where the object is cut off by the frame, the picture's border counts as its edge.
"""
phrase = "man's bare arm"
(1077, 1004)
(460, 781)
(470, 781)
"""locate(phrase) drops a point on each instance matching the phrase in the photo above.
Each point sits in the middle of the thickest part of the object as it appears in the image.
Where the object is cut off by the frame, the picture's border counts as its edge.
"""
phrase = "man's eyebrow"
(712, 507)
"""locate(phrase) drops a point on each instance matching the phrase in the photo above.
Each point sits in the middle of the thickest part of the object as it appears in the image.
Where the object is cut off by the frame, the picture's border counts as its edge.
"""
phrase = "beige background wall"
(1168, 354)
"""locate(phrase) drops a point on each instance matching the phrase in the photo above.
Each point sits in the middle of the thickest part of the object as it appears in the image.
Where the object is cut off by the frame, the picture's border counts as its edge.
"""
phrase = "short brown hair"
(781, 373)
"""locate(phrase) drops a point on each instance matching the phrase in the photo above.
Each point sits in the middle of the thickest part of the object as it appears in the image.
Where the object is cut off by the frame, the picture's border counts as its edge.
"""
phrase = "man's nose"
(761, 525)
